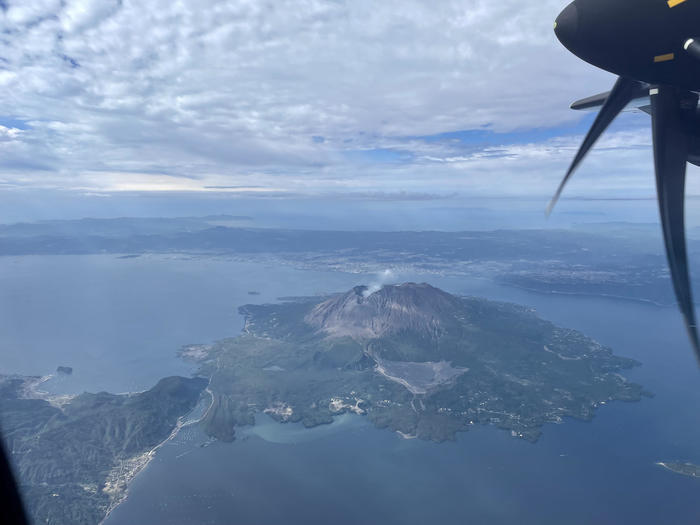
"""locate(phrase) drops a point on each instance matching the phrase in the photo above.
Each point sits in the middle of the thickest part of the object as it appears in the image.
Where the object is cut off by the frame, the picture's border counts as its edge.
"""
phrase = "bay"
(119, 322)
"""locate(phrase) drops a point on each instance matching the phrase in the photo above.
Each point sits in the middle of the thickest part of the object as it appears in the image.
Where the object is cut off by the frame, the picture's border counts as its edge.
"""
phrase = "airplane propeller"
(622, 94)
(673, 111)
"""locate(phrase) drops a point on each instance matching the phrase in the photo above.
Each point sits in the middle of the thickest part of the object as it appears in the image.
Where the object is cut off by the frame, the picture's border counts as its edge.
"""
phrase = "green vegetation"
(432, 365)
(75, 460)
(411, 358)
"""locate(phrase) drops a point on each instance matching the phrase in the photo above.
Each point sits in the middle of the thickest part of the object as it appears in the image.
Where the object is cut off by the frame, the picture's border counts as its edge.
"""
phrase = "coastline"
(119, 479)
(683, 468)
(31, 390)
(588, 294)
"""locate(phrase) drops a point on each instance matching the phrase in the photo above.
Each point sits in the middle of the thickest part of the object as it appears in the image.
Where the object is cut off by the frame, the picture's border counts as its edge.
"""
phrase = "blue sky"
(328, 98)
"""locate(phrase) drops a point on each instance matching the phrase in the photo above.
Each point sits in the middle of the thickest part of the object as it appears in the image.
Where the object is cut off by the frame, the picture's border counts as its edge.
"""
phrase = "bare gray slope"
(395, 308)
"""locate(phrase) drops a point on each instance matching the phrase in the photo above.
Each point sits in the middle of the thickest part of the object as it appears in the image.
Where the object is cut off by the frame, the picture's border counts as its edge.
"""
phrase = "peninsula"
(74, 458)
(683, 468)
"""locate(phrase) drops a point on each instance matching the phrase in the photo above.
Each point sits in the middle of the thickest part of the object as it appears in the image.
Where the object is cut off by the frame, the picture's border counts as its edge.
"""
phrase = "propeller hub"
(566, 26)
(647, 40)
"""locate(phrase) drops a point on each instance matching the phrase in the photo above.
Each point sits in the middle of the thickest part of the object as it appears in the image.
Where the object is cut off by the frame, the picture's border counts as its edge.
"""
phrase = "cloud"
(288, 95)
(8, 134)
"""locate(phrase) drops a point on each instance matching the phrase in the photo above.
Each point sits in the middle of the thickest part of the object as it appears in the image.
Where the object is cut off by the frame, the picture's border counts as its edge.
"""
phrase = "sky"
(335, 99)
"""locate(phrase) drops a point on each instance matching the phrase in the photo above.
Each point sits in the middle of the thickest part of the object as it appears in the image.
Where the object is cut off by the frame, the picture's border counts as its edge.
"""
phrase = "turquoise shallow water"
(118, 322)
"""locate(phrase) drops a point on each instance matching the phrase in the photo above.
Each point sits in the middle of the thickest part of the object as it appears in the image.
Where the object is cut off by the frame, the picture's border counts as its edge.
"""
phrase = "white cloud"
(233, 92)
(7, 134)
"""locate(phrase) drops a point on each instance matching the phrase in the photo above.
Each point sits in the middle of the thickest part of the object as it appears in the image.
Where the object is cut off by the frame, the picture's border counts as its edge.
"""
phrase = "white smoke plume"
(383, 278)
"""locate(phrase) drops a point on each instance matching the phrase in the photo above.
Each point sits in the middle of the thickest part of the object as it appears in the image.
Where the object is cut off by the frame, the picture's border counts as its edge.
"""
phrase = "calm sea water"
(118, 322)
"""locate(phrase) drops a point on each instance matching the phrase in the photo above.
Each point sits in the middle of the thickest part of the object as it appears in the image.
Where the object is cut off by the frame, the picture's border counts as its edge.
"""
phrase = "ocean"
(119, 322)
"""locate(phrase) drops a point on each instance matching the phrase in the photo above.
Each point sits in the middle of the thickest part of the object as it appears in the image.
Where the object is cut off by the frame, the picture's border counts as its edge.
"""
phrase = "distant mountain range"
(616, 260)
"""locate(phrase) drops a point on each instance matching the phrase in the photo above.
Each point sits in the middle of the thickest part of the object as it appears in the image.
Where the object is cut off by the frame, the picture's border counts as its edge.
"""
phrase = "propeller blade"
(669, 108)
(624, 91)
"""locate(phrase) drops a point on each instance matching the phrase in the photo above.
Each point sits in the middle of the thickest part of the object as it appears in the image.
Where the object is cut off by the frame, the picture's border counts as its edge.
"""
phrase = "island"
(74, 456)
(683, 468)
(411, 358)
(65, 370)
